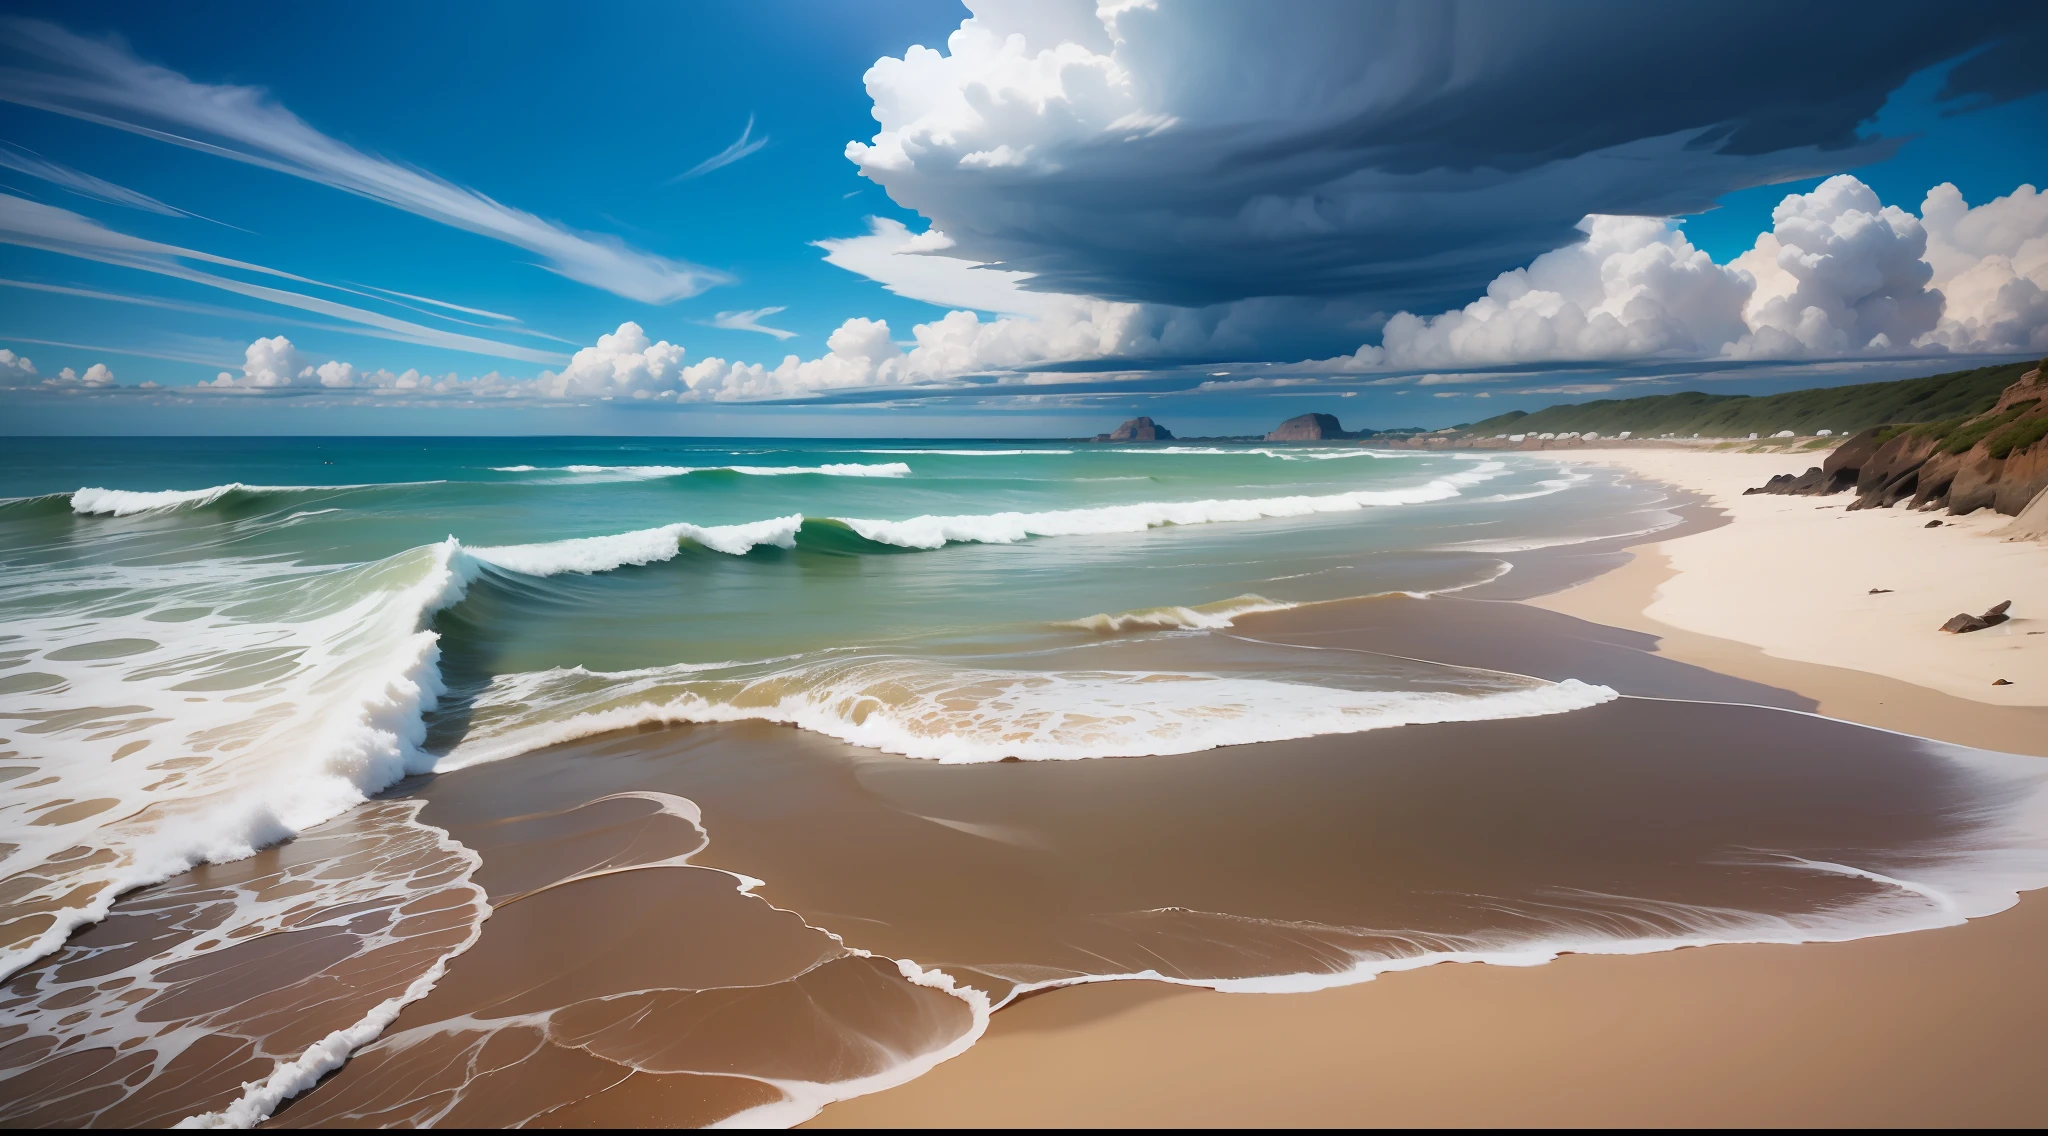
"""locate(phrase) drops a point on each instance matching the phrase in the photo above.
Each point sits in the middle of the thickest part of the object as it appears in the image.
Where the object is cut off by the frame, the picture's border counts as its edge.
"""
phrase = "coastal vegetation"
(1954, 396)
(1990, 459)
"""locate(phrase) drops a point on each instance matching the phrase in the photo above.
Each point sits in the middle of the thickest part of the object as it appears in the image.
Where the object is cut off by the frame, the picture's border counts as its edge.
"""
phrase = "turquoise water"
(212, 645)
(210, 648)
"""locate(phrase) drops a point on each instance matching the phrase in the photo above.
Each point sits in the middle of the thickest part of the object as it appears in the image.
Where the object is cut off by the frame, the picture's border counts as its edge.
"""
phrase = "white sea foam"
(644, 546)
(962, 713)
(970, 453)
(142, 1004)
(1258, 451)
(803, 1100)
(196, 740)
(652, 472)
(95, 501)
(1203, 617)
(1008, 528)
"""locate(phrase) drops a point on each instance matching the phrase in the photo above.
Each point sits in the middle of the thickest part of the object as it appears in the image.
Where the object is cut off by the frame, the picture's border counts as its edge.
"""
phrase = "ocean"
(466, 781)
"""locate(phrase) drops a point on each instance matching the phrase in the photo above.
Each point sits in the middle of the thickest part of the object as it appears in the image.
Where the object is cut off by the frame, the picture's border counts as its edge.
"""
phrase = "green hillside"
(1841, 409)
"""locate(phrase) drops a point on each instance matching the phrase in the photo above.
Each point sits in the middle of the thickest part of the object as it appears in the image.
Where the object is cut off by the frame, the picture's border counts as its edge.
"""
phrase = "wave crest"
(1008, 528)
(957, 714)
(1201, 617)
(644, 546)
(94, 501)
(655, 472)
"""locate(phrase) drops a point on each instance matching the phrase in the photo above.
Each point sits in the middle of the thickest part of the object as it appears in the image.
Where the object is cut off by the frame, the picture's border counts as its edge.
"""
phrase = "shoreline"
(1802, 580)
(1815, 1034)
(649, 829)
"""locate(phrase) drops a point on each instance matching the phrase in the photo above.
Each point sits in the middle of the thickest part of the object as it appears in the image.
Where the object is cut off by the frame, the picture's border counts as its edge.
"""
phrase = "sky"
(998, 220)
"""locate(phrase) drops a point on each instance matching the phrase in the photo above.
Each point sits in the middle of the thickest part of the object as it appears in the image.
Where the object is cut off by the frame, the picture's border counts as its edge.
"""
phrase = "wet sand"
(1234, 863)
(1940, 1027)
(635, 970)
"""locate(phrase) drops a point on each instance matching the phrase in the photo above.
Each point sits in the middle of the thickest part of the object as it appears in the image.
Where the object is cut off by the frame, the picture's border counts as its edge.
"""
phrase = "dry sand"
(1944, 1027)
(1792, 576)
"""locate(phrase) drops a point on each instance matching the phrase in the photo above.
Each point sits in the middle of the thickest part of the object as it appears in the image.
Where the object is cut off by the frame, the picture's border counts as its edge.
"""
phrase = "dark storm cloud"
(1400, 154)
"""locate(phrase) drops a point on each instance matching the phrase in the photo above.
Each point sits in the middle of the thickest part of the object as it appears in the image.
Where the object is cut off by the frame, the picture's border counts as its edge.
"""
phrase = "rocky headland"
(1997, 459)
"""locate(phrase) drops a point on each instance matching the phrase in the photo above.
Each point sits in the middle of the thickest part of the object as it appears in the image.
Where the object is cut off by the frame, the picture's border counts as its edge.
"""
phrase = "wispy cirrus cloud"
(104, 83)
(31, 224)
(168, 356)
(500, 316)
(745, 145)
(29, 162)
(749, 321)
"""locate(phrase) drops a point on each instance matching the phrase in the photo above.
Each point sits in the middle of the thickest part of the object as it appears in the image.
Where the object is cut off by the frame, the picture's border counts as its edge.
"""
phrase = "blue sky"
(1184, 257)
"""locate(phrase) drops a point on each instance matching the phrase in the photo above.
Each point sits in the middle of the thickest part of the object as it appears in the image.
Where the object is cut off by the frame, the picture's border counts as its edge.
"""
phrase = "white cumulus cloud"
(1838, 274)
(1991, 265)
(16, 370)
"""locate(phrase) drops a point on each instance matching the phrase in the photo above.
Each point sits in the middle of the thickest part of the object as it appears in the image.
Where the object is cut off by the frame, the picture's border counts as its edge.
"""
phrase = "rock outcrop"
(1994, 460)
(1309, 428)
(1965, 623)
(1137, 430)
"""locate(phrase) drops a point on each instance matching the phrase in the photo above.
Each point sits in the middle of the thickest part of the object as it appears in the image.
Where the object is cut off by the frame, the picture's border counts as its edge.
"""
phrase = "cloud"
(750, 321)
(102, 82)
(1991, 265)
(500, 316)
(725, 157)
(169, 354)
(32, 224)
(275, 365)
(1255, 384)
(1568, 388)
(97, 375)
(1634, 288)
(1401, 153)
(913, 265)
(16, 370)
(1839, 274)
(85, 185)
(627, 364)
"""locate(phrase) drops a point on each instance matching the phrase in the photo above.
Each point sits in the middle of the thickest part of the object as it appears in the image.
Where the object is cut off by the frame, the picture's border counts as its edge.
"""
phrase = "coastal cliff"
(1997, 459)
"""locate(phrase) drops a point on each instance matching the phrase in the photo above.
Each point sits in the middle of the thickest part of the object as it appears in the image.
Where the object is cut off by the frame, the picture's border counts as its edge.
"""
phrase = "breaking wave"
(1008, 528)
(960, 712)
(651, 472)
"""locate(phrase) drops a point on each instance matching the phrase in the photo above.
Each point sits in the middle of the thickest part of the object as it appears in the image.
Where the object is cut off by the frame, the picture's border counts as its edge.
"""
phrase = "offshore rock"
(1309, 428)
(1137, 430)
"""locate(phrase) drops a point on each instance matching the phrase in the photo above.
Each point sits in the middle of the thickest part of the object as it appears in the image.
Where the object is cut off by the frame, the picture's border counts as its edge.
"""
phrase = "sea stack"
(1308, 428)
(1138, 430)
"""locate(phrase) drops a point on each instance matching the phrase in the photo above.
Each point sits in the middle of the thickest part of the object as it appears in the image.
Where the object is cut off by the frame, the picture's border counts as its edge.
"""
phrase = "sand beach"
(1936, 1027)
(982, 564)
(1572, 858)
